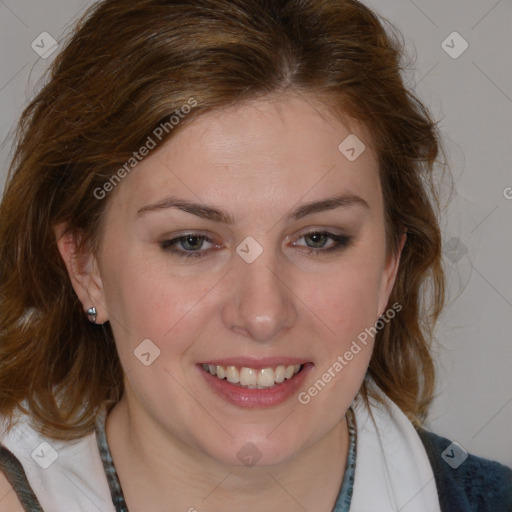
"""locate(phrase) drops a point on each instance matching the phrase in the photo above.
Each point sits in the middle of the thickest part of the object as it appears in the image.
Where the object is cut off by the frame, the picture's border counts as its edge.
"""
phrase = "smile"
(252, 378)
(249, 383)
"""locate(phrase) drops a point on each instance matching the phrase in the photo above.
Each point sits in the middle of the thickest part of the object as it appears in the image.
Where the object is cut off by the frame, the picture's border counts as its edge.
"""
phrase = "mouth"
(255, 384)
(253, 378)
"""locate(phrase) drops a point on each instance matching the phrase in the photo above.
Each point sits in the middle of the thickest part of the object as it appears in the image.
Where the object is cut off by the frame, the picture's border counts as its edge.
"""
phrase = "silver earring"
(91, 313)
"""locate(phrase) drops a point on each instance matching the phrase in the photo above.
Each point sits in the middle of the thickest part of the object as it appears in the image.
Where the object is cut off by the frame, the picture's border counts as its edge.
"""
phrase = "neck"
(156, 470)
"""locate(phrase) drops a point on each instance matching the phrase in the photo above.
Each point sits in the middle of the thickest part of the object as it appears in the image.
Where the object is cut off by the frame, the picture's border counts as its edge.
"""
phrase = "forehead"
(277, 149)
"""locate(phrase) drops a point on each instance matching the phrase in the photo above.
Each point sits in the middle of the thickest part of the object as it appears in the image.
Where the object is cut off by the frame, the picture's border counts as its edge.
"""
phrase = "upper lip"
(256, 363)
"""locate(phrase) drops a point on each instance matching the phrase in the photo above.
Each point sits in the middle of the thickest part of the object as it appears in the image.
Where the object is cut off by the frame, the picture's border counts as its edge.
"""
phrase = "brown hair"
(127, 68)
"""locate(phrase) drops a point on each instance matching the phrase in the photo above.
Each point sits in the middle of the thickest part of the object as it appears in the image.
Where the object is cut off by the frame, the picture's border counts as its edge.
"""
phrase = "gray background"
(472, 97)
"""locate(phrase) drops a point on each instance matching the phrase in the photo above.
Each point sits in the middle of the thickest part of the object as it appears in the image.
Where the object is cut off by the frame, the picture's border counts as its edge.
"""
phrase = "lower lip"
(252, 398)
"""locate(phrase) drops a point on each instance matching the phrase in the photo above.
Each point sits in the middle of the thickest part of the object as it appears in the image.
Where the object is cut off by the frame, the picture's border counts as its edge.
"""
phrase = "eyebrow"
(217, 215)
(331, 203)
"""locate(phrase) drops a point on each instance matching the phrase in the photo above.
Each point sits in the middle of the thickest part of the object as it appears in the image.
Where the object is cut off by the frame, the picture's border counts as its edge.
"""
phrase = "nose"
(260, 303)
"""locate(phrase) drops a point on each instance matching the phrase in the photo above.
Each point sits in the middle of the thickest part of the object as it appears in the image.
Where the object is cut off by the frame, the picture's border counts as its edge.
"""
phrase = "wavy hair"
(125, 69)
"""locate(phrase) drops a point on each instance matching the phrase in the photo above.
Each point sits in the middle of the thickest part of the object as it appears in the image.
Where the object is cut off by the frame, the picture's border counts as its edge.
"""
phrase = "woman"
(214, 243)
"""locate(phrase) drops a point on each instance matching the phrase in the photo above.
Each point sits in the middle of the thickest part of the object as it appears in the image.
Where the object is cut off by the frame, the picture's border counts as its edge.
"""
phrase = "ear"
(389, 275)
(83, 270)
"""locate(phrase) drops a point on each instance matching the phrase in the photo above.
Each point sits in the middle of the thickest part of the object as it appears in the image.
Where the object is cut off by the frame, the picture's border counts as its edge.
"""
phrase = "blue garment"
(477, 485)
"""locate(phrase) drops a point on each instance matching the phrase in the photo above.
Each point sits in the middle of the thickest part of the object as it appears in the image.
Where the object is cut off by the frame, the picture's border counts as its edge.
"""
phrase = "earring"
(91, 313)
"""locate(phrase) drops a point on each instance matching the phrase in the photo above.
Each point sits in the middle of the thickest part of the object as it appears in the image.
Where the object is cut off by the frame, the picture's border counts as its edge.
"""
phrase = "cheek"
(345, 300)
(346, 305)
(178, 309)
(145, 300)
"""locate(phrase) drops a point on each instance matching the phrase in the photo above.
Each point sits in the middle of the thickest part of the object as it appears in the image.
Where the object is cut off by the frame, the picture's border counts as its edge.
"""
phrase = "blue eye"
(189, 245)
(195, 245)
(320, 242)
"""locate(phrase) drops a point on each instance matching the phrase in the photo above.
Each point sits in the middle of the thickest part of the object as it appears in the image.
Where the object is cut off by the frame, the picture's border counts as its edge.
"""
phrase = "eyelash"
(341, 242)
(168, 245)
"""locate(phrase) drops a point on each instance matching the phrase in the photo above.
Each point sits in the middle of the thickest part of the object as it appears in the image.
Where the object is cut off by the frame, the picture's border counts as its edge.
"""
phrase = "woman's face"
(249, 240)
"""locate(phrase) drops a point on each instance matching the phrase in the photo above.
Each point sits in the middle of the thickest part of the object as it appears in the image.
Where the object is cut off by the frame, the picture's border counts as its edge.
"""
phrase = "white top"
(393, 472)
(392, 469)
(66, 476)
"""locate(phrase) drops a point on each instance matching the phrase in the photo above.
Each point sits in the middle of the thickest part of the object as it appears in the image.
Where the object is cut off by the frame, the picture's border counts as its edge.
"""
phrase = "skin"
(173, 440)
(8, 499)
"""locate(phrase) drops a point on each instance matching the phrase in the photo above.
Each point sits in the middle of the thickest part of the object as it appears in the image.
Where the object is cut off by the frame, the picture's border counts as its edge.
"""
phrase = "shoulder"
(61, 475)
(15, 490)
(466, 482)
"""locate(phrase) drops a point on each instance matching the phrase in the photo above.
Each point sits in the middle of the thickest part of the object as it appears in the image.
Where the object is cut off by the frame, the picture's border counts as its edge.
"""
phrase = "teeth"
(266, 377)
(248, 376)
(280, 373)
(232, 375)
(252, 378)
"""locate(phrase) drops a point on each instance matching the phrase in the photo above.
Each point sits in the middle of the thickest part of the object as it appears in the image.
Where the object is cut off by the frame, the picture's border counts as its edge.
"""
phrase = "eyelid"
(341, 241)
(169, 237)
(169, 243)
(337, 242)
(318, 230)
